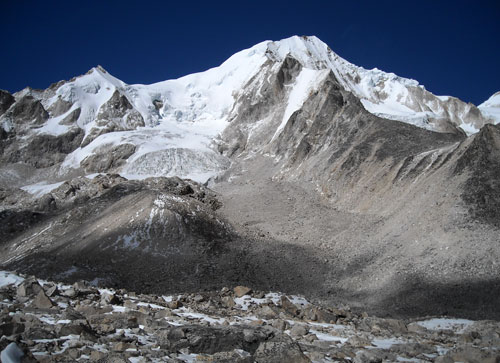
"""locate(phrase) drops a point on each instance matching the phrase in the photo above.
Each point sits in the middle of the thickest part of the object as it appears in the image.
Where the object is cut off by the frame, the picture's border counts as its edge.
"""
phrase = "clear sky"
(451, 47)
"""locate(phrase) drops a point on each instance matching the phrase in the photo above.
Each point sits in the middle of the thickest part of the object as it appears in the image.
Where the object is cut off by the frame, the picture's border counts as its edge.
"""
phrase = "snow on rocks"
(90, 324)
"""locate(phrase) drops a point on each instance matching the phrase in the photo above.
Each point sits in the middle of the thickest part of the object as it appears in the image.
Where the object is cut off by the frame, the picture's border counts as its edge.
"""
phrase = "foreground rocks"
(52, 322)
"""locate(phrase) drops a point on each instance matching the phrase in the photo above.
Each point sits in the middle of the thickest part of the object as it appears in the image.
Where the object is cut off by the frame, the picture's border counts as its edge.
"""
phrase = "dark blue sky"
(451, 47)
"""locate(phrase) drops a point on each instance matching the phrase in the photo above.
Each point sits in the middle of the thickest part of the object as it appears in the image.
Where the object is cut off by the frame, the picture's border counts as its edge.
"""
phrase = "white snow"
(42, 188)
(177, 137)
(491, 108)
(8, 278)
(328, 337)
(306, 82)
(246, 301)
(187, 313)
(457, 325)
(386, 343)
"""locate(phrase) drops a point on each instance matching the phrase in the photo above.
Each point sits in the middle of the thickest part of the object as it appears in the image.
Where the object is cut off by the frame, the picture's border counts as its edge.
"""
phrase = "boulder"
(266, 312)
(298, 330)
(28, 287)
(280, 352)
(289, 307)
(11, 328)
(42, 301)
(240, 291)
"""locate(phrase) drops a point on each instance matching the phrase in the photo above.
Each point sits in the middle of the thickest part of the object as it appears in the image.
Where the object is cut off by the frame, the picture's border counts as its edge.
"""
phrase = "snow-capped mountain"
(170, 127)
(330, 179)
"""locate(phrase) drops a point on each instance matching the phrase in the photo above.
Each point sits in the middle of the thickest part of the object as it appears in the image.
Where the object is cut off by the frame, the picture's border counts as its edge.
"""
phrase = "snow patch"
(8, 278)
(457, 325)
(306, 82)
(41, 188)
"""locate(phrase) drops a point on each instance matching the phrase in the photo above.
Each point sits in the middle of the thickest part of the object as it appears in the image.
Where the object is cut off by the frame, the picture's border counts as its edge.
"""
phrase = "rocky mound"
(114, 229)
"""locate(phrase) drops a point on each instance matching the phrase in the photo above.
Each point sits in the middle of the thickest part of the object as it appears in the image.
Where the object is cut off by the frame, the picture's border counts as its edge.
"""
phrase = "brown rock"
(289, 307)
(120, 347)
(42, 301)
(228, 301)
(175, 304)
(109, 299)
(240, 291)
(257, 323)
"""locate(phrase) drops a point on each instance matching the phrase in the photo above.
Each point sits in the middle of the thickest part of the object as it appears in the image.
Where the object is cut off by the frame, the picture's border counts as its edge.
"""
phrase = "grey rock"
(444, 359)
(105, 159)
(71, 118)
(6, 100)
(45, 150)
(59, 107)
(28, 287)
(298, 330)
(280, 324)
(280, 352)
(266, 312)
(42, 301)
(27, 110)
(11, 328)
(52, 291)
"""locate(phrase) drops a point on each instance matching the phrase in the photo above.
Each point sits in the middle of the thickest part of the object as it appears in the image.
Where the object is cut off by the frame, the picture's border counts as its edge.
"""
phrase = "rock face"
(82, 325)
(480, 161)
(44, 150)
(6, 99)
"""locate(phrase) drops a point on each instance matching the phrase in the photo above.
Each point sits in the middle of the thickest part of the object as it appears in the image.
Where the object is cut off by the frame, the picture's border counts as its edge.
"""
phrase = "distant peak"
(97, 68)
(493, 101)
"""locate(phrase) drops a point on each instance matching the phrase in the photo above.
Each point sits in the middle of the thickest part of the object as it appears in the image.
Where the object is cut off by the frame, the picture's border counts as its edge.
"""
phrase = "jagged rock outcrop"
(6, 100)
(43, 151)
